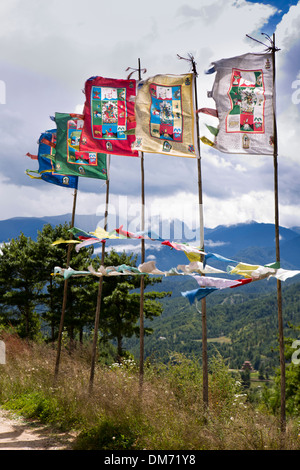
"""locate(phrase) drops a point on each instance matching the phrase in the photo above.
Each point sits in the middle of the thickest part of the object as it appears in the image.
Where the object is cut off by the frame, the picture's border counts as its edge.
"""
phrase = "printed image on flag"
(108, 113)
(243, 92)
(166, 121)
(68, 156)
(46, 161)
(165, 116)
(109, 121)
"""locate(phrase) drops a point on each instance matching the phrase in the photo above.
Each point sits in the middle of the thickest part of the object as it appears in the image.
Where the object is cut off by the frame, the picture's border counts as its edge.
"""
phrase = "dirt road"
(19, 434)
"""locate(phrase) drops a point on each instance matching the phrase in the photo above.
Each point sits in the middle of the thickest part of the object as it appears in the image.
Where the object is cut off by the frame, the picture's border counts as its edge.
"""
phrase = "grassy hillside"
(166, 413)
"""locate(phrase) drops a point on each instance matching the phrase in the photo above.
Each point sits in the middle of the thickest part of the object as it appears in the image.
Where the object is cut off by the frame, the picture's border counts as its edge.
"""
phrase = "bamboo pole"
(99, 297)
(279, 293)
(64, 304)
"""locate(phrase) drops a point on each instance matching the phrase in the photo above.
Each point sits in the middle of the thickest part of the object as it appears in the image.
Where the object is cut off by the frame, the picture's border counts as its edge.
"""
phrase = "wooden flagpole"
(201, 220)
(99, 295)
(273, 49)
(279, 293)
(142, 281)
(64, 304)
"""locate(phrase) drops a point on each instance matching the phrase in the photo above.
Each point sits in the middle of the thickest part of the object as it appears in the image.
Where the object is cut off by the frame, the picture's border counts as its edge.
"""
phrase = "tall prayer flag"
(68, 157)
(243, 93)
(165, 116)
(109, 120)
(45, 157)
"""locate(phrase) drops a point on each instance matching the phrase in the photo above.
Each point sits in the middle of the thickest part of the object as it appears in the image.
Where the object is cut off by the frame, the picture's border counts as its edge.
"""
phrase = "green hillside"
(241, 322)
(241, 325)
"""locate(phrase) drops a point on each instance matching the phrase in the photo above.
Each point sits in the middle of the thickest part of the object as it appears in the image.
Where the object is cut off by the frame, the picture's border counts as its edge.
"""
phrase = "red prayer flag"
(109, 118)
(209, 111)
(241, 282)
(33, 157)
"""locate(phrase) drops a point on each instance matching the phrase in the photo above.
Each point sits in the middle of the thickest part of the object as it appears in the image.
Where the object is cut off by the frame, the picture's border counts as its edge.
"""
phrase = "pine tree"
(20, 285)
(121, 302)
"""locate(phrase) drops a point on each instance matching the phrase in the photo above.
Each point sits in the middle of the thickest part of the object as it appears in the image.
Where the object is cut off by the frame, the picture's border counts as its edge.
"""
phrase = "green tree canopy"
(20, 285)
(121, 301)
(32, 296)
(81, 294)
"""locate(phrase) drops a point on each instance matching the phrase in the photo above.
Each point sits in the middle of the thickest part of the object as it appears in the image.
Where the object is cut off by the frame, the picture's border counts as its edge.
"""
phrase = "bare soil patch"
(16, 433)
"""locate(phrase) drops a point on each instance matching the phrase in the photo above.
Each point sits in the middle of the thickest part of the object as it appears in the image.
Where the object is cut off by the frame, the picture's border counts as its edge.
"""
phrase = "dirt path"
(18, 434)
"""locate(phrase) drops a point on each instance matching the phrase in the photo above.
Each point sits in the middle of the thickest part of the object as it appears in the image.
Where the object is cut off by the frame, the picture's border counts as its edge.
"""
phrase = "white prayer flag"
(244, 96)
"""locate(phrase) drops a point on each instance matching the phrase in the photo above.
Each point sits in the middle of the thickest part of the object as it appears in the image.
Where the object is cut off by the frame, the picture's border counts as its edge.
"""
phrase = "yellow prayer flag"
(244, 269)
(165, 116)
(206, 141)
(194, 256)
(60, 240)
(101, 233)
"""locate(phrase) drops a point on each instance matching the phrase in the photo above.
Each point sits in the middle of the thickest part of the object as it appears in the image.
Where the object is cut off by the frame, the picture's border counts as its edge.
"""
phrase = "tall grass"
(167, 413)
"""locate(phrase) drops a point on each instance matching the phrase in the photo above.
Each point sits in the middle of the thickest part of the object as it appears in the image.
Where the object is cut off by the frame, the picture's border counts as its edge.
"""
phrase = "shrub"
(107, 435)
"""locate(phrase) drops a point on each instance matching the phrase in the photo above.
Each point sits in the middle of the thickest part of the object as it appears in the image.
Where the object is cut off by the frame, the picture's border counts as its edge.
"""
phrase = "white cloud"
(64, 43)
(288, 134)
(288, 30)
(36, 201)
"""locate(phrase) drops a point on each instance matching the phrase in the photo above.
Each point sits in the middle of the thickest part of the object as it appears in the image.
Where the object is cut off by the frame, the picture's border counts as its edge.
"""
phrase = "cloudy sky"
(48, 50)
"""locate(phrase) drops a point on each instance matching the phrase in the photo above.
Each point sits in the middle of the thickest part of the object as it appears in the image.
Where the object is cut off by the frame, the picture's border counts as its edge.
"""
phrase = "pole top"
(139, 70)
(269, 48)
(190, 59)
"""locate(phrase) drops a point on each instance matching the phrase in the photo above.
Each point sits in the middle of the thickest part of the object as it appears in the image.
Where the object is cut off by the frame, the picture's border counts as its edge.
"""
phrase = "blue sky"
(47, 54)
(282, 7)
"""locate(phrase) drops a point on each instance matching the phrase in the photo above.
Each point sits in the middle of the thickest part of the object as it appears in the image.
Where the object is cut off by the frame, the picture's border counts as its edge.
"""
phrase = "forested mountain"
(241, 322)
(241, 325)
(250, 242)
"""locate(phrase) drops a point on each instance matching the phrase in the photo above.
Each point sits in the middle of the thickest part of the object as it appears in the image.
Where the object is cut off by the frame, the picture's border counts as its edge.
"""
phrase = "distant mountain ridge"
(251, 242)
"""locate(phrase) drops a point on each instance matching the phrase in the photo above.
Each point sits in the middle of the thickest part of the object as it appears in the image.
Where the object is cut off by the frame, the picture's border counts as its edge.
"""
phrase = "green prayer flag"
(69, 159)
(212, 129)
